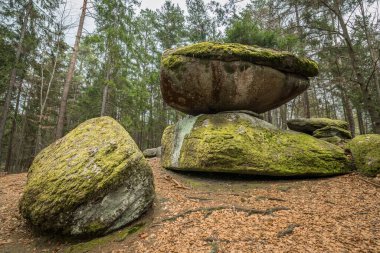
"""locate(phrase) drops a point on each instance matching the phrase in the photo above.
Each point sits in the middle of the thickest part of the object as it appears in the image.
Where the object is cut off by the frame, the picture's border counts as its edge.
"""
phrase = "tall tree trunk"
(372, 51)
(367, 99)
(12, 81)
(283, 112)
(348, 111)
(306, 105)
(70, 74)
(8, 162)
(104, 100)
(359, 113)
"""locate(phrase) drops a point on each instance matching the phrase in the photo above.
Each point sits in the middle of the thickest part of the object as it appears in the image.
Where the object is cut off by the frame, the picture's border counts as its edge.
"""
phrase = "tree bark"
(104, 100)
(359, 113)
(306, 105)
(8, 95)
(8, 162)
(70, 74)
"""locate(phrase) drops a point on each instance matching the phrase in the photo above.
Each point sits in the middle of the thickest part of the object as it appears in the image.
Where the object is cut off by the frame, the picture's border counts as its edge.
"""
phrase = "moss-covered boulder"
(365, 150)
(308, 126)
(212, 77)
(332, 131)
(91, 181)
(240, 143)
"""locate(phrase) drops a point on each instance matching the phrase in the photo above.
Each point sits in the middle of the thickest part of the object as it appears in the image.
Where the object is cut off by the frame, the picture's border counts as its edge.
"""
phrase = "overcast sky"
(75, 5)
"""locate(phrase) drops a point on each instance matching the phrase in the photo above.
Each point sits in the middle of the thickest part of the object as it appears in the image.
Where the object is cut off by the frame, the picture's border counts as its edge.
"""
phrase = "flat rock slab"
(240, 143)
(211, 77)
(92, 181)
(308, 126)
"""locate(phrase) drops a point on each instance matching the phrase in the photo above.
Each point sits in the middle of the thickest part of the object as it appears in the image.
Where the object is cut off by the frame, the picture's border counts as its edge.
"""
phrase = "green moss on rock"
(331, 131)
(77, 171)
(365, 150)
(280, 60)
(240, 143)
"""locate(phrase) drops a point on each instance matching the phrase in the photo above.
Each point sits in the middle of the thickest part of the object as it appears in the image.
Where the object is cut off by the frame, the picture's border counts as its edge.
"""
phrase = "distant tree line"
(48, 88)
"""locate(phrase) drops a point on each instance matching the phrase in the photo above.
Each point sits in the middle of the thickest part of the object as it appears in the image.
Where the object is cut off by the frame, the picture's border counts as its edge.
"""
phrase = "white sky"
(75, 9)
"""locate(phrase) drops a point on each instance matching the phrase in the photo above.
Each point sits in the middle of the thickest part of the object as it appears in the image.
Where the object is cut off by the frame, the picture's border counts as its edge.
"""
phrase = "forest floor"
(223, 213)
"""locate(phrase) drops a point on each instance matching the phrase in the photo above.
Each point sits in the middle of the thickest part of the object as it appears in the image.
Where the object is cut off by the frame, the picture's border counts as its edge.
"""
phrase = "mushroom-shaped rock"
(241, 143)
(212, 77)
(308, 126)
(91, 181)
(365, 150)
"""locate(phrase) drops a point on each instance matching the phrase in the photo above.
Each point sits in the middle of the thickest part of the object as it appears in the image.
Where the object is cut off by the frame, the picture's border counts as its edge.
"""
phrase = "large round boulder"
(213, 77)
(365, 150)
(91, 181)
(241, 143)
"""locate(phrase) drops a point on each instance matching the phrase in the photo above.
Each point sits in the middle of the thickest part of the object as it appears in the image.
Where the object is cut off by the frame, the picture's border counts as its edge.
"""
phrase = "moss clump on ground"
(280, 60)
(91, 161)
(239, 143)
(365, 150)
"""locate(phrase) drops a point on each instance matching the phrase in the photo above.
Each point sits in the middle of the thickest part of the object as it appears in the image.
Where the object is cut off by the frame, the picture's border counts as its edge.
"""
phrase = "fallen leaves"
(339, 214)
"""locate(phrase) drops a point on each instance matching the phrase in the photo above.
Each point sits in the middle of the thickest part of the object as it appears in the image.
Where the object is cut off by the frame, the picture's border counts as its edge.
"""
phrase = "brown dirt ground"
(201, 213)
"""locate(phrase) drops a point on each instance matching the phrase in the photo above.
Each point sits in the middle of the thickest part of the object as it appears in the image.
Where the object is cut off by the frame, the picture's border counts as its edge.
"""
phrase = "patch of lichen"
(85, 165)
(280, 60)
(329, 131)
(365, 150)
(229, 143)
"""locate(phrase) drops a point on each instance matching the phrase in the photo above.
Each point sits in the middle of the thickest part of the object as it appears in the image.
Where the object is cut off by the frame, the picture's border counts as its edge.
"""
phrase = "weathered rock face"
(240, 143)
(308, 126)
(365, 150)
(92, 181)
(211, 77)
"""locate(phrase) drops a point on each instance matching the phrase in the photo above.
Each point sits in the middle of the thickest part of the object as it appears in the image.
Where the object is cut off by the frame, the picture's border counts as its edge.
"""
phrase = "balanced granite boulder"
(365, 150)
(92, 181)
(309, 126)
(240, 143)
(212, 77)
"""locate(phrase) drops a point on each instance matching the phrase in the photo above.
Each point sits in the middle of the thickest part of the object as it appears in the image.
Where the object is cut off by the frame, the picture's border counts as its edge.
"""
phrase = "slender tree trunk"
(8, 95)
(70, 74)
(8, 163)
(372, 51)
(359, 113)
(348, 111)
(104, 100)
(306, 105)
(283, 113)
(367, 99)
